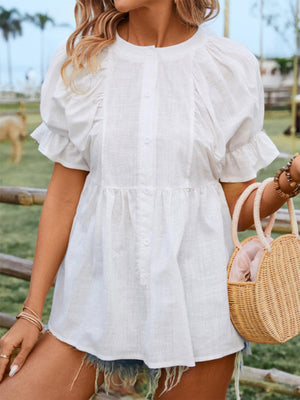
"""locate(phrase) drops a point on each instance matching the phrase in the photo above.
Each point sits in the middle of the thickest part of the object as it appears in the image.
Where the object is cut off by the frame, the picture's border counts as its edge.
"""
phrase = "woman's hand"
(271, 201)
(23, 335)
(55, 225)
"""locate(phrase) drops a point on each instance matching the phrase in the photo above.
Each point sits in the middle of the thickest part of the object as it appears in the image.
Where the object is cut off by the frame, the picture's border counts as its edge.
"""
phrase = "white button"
(147, 140)
(147, 191)
(147, 94)
(146, 242)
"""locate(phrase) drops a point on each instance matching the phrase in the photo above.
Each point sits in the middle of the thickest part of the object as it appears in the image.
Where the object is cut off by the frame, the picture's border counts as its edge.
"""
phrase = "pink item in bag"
(246, 262)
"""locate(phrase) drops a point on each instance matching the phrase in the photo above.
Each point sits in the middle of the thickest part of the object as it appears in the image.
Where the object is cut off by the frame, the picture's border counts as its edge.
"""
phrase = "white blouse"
(158, 128)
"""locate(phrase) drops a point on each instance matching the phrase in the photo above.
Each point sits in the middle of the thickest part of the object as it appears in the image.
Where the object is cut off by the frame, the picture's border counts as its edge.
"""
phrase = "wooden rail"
(274, 98)
(272, 380)
(15, 266)
(282, 223)
(14, 112)
(34, 196)
(277, 98)
(22, 195)
(17, 101)
(20, 103)
(6, 321)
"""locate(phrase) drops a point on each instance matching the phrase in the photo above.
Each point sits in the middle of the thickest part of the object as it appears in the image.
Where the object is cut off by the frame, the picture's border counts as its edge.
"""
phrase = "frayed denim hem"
(247, 348)
(129, 371)
(238, 366)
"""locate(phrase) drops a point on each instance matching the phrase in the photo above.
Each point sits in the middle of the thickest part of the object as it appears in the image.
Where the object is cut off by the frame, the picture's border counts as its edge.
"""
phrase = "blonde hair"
(96, 26)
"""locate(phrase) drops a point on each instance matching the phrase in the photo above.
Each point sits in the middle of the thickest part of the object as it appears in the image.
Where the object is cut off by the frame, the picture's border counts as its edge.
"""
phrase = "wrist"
(285, 184)
(33, 319)
(34, 307)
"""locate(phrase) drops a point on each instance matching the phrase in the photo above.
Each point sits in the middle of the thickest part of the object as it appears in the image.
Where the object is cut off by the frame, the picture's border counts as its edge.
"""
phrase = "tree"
(10, 26)
(286, 65)
(280, 16)
(285, 20)
(42, 21)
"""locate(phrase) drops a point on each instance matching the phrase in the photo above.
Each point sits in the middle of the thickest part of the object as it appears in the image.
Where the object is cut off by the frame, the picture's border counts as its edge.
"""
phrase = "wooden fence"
(274, 98)
(272, 380)
(20, 103)
(278, 98)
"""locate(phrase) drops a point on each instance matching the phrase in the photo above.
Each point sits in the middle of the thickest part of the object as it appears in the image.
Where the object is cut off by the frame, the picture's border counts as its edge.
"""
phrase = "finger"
(20, 359)
(6, 349)
(3, 366)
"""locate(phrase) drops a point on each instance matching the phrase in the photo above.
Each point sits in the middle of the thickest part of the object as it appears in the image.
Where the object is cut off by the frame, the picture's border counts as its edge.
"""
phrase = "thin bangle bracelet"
(30, 309)
(31, 318)
(28, 319)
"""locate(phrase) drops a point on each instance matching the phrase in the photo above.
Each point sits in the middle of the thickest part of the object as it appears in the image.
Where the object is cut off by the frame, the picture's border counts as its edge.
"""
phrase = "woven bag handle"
(237, 210)
(256, 213)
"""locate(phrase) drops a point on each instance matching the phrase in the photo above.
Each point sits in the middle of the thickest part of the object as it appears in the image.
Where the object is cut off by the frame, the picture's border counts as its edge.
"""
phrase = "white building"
(272, 77)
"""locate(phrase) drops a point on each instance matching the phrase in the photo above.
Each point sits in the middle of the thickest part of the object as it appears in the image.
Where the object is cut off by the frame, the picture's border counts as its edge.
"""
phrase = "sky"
(244, 27)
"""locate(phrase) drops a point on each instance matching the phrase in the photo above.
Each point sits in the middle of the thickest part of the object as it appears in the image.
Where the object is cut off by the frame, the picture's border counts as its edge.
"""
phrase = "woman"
(153, 138)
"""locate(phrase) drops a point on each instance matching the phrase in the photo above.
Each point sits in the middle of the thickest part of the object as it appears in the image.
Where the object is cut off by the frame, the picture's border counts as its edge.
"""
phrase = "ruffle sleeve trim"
(70, 116)
(58, 148)
(242, 163)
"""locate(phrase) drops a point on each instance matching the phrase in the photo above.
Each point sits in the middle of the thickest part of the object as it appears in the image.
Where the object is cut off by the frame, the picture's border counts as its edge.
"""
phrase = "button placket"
(145, 168)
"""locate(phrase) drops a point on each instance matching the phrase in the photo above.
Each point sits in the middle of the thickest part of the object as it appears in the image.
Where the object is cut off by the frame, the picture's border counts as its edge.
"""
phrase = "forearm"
(53, 235)
(271, 200)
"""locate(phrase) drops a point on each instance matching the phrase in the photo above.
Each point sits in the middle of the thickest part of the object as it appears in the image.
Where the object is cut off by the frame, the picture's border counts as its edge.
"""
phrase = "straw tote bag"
(267, 310)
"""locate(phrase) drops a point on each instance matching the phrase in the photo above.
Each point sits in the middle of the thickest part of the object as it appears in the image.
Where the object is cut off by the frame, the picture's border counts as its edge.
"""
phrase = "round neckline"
(130, 49)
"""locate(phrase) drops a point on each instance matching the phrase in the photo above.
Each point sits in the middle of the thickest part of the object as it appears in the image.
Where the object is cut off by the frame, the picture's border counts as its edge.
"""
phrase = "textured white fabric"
(144, 274)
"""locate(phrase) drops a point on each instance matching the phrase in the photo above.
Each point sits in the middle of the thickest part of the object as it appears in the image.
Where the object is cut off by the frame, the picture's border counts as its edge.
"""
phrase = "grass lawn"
(14, 106)
(18, 231)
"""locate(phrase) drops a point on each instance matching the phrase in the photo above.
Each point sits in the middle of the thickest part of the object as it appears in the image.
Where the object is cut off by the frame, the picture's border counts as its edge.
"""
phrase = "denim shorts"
(136, 377)
(131, 374)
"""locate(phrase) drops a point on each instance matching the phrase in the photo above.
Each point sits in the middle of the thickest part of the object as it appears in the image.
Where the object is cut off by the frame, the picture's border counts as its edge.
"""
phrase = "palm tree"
(42, 21)
(11, 26)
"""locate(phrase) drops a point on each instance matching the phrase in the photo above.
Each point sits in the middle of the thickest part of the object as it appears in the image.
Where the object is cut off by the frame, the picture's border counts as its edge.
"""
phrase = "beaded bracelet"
(277, 186)
(294, 185)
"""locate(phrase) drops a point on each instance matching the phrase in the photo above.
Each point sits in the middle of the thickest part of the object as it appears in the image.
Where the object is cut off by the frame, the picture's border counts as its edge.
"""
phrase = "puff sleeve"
(53, 133)
(246, 147)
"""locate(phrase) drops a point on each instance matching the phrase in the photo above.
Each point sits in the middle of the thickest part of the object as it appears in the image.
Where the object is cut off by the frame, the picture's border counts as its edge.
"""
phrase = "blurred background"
(30, 32)
(52, 23)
